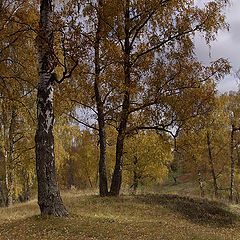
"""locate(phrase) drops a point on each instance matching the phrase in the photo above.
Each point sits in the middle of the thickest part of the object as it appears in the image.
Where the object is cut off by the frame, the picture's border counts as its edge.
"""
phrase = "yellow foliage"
(148, 154)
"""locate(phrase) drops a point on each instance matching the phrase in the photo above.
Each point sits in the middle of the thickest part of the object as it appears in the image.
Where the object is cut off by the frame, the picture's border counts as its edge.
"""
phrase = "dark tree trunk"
(210, 157)
(25, 196)
(3, 199)
(49, 199)
(117, 174)
(232, 173)
(103, 184)
(1, 7)
(238, 156)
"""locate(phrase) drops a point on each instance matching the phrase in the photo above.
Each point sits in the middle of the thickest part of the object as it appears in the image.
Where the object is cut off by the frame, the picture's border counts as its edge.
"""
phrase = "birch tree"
(158, 35)
(141, 67)
(49, 199)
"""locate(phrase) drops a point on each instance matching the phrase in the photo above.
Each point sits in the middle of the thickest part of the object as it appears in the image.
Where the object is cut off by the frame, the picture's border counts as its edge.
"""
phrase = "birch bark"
(49, 199)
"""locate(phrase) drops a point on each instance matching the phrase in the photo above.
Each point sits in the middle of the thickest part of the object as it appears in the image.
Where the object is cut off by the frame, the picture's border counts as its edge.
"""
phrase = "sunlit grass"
(127, 217)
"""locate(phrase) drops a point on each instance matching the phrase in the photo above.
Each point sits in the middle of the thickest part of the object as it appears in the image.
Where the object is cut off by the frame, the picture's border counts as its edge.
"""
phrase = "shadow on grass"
(201, 211)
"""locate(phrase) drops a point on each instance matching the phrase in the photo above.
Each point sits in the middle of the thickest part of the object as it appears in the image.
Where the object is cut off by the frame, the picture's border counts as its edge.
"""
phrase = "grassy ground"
(142, 217)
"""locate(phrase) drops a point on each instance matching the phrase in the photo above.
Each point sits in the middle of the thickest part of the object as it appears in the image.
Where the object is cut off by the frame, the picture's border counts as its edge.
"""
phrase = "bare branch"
(81, 122)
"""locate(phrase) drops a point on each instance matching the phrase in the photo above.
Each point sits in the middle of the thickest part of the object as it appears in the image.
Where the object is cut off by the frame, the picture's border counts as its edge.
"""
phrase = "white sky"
(227, 45)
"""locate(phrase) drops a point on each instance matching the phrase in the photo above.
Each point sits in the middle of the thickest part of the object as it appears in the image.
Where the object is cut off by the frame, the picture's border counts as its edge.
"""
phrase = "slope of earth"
(165, 217)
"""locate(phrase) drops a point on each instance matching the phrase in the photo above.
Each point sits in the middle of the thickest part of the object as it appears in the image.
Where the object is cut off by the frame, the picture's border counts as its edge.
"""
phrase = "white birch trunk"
(49, 199)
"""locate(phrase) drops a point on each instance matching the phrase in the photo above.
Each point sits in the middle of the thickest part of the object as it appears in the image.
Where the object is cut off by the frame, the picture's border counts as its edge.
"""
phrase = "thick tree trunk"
(210, 157)
(117, 175)
(232, 173)
(103, 183)
(49, 199)
(25, 195)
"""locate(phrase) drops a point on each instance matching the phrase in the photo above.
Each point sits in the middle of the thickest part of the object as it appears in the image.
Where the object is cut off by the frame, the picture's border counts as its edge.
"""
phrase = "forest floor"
(148, 216)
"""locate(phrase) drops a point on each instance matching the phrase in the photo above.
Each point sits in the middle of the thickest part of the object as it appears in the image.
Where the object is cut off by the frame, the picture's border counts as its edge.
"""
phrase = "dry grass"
(165, 217)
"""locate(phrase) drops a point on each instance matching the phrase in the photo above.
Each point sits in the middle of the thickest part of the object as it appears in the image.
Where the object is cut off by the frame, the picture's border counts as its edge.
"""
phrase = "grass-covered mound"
(164, 217)
(197, 210)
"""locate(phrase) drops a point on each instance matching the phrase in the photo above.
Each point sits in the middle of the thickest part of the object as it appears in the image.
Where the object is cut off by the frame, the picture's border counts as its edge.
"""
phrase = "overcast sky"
(227, 45)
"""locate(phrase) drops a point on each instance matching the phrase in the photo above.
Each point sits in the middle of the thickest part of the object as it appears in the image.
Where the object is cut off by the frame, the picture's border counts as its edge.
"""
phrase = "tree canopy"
(129, 95)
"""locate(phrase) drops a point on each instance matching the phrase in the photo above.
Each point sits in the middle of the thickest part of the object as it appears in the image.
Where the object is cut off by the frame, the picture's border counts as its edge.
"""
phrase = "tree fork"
(103, 184)
(117, 175)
